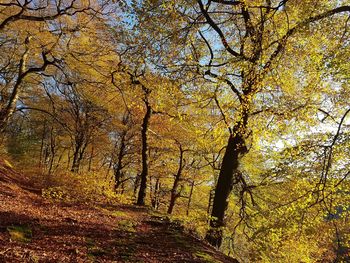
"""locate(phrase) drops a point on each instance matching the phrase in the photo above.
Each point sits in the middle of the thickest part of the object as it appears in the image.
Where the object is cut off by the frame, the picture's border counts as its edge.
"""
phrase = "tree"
(144, 149)
(230, 115)
(244, 51)
(41, 27)
(175, 193)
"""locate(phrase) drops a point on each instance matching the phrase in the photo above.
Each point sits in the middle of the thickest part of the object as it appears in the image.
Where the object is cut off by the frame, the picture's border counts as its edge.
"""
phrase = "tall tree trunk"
(234, 149)
(144, 152)
(190, 199)
(52, 150)
(118, 166)
(8, 110)
(210, 202)
(174, 191)
(229, 174)
(136, 185)
(79, 151)
(76, 158)
(155, 196)
(75, 164)
(12, 99)
(43, 137)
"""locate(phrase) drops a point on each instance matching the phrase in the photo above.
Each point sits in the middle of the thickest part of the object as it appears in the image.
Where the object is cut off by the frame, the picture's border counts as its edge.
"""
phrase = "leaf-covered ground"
(34, 229)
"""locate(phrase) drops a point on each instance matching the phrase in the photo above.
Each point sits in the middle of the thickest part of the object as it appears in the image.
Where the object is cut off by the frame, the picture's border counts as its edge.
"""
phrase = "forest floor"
(35, 229)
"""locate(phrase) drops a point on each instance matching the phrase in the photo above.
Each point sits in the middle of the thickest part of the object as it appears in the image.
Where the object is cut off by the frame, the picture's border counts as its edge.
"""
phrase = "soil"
(35, 229)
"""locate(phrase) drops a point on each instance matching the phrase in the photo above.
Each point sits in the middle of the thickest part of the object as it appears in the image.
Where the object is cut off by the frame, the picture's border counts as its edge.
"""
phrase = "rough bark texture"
(118, 166)
(144, 152)
(80, 147)
(223, 188)
(155, 195)
(8, 110)
(174, 190)
(190, 199)
(235, 149)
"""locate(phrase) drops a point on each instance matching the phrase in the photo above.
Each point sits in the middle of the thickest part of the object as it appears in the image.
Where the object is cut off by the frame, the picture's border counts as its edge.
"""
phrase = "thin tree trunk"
(136, 185)
(75, 166)
(118, 174)
(78, 155)
(42, 145)
(52, 150)
(144, 152)
(174, 191)
(155, 197)
(190, 199)
(9, 109)
(81, 154)
(210, 202)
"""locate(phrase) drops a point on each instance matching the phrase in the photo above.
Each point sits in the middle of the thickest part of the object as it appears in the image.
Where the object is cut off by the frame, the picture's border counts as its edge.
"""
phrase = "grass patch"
(94, 250)
(205, 256)
(20, 233)
(120, 214)
(115, 213)
(126, 249)
(127, 225)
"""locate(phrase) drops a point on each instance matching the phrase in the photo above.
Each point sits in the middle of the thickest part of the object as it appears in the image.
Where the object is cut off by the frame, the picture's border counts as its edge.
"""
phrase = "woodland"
(228, 116)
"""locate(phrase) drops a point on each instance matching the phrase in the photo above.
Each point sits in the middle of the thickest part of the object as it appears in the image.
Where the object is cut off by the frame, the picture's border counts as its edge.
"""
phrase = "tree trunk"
(80, 147)
(9, 109)
(90, 159)
(52, 150)
(43, 137)
(190, 199)
(174, 191)
(210, 202)
(234, 149)
(144, 152)
(75, 164)
(118, 175)
(155, 196)
(136, 185)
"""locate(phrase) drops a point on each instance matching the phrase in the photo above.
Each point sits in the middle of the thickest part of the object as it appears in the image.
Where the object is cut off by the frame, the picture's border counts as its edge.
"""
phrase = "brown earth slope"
(33, 229)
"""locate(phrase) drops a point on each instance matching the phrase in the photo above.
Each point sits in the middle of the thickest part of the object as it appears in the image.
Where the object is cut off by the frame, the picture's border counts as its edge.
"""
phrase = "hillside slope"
(33, 229)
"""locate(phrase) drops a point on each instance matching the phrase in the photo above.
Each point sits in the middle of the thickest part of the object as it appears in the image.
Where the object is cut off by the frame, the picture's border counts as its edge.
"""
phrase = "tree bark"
(155, 196)
(210, 202)
(118, 175)
(75, 162)
(144, 151)
(9, 109)
(174, 191)
(136, 185)
(43, 137)
(190, 199)
(234, 149)
(81, 144)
